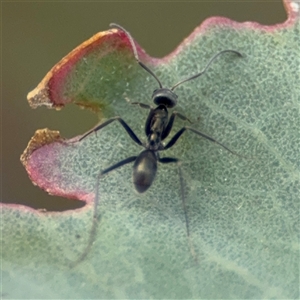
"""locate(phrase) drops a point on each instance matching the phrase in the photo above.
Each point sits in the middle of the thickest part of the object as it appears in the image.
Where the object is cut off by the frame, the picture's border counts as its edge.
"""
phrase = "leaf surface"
(243, 212)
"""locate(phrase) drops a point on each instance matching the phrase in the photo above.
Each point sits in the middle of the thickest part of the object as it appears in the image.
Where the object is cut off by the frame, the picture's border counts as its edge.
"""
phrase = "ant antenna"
(113, 25)
(205, 69)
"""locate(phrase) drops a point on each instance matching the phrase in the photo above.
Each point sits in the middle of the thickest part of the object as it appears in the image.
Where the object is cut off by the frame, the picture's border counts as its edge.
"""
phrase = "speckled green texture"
(91, 80)
(243, 213)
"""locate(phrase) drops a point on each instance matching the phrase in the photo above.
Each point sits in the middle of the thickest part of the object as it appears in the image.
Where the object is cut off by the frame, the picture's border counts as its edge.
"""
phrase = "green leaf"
(243, 212)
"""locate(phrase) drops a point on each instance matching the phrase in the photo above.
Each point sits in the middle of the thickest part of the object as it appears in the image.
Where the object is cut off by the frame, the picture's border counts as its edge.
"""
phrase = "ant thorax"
(157, 122)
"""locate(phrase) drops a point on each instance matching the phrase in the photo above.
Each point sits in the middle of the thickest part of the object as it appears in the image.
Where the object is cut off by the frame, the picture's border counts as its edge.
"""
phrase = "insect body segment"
(157, 128)
(164, 96)
(144, 170)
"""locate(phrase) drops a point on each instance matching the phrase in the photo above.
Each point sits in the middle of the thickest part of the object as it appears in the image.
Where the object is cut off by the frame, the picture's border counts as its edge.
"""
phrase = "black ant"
(157, 128)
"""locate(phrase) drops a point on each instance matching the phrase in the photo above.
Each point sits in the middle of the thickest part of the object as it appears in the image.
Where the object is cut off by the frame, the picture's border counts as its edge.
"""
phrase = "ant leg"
(181, 116)
(142, 105)
(167, 160)
(96, 217)
(122, 122)
(182, 130)
(169, 126)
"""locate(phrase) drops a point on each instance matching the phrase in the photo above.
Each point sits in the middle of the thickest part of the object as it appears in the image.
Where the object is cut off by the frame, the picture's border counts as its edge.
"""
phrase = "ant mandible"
(157, 128)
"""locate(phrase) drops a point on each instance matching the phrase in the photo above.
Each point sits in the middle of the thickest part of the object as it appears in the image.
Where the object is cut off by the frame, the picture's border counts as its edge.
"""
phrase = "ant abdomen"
(144, 170)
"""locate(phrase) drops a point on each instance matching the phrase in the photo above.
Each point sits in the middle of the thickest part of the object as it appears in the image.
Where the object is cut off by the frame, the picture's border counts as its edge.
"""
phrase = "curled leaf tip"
(58, 89)
(41, 137)
(38, 97)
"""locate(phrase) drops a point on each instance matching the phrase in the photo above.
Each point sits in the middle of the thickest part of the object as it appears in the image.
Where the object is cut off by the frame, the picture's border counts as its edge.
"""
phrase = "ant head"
(165, 97)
